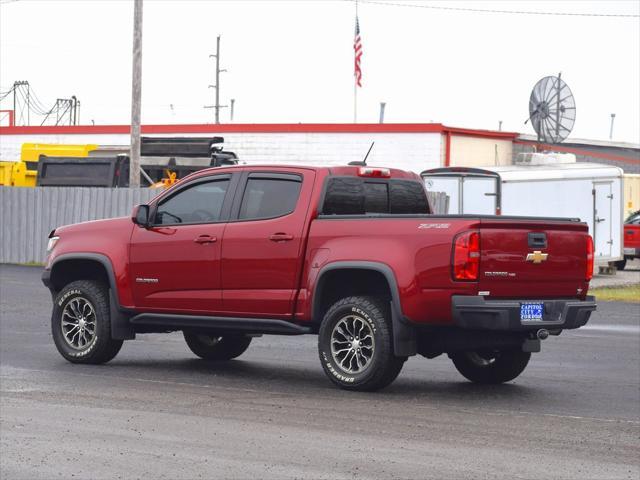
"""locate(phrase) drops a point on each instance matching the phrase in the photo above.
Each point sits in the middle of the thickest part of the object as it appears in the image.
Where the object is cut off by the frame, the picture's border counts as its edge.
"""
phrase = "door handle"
(598, 219)
(280, 237)
(205, 239)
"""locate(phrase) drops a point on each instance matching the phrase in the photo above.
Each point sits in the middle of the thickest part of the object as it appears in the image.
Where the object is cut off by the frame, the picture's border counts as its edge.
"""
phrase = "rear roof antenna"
(363, 163)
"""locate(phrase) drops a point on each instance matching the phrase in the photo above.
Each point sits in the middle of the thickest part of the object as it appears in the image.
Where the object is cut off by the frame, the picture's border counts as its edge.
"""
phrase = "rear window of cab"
(357, 196)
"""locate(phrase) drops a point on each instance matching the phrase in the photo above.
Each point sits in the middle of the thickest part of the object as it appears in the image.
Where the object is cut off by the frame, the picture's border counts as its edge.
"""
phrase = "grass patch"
(629, 293)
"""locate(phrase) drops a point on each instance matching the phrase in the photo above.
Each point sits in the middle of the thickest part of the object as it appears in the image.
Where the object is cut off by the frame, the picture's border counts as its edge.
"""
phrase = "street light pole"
(613, 116)
(136, 96)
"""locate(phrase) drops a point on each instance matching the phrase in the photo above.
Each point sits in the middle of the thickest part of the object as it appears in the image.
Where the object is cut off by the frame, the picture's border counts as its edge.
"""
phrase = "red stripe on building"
(257, 128)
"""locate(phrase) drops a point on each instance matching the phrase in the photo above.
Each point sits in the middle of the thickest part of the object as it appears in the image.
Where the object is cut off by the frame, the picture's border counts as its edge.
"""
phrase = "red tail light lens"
(466, 256)
(589, 273)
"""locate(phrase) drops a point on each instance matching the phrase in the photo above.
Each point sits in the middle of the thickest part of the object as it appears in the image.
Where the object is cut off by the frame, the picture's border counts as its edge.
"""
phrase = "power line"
(511, 12)
(5, 94)
(27, 105)
(36, 100)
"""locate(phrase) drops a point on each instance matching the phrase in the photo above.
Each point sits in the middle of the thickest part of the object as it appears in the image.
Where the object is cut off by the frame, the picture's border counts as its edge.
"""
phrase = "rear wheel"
(217, 347)
(81, 323)
(355, 344)
(497, 366)
(620, 264)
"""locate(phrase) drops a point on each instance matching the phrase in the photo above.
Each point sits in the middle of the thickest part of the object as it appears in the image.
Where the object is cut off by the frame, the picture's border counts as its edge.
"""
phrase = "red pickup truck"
(631, 229)
(352, 254)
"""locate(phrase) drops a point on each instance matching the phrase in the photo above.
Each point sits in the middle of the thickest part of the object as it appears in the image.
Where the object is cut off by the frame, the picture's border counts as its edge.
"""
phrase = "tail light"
(466, 256)
(589, 273)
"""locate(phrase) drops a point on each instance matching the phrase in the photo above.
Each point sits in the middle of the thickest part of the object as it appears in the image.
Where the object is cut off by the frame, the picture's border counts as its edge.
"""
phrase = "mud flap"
(531, 345)
(404, 335)
(121, 328)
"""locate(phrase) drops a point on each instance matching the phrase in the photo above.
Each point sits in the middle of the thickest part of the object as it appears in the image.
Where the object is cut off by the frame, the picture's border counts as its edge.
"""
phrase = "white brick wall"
(408, 151)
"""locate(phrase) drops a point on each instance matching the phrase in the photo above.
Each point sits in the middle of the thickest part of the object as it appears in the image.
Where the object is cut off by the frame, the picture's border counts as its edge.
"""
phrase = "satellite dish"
(552, 109)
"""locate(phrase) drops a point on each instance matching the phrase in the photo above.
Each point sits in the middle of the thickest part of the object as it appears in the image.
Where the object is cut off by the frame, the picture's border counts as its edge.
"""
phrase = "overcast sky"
(293, 61)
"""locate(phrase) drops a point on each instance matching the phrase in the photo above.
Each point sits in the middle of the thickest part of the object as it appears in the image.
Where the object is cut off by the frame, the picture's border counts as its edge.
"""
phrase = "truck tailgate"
(533, 258)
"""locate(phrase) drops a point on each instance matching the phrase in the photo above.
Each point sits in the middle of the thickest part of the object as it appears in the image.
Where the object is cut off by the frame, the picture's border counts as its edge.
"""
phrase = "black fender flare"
(404, 335)
(121, 328)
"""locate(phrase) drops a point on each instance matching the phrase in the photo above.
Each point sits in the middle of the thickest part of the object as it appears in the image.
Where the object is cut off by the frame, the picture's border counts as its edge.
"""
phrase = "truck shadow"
(277, 378)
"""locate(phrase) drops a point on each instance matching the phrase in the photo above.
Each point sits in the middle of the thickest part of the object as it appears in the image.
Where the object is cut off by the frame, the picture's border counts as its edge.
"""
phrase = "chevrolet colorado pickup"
(352, 254)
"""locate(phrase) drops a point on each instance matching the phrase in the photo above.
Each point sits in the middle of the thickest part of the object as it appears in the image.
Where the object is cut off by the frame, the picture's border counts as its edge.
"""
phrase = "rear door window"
(269, 196)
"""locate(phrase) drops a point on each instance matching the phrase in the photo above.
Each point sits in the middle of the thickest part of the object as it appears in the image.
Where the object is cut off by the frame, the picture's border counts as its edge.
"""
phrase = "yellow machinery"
(193, 153)
(169, 179)
(24, 172)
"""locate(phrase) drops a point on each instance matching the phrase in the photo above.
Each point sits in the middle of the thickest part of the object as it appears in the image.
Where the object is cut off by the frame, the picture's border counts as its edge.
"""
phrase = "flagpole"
(355, 102)
(355, 82)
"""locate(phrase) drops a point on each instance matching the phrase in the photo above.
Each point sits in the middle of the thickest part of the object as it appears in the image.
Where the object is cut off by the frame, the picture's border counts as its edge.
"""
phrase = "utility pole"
(218, 79)
(613, 116)
(233, 102)
(136, 96)
(382, 105)
(28, 104)
(74, 111)
(25, 94)
(216, 106)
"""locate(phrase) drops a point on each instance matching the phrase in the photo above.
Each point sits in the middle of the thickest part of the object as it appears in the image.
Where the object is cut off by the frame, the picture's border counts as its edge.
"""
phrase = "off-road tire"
(102, 347)
(383, 366)
(505, 366)
(217, 347)
(620, 264)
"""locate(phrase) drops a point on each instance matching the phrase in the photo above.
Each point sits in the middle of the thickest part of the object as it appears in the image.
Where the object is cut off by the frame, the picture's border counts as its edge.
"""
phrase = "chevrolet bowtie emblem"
(537, 256)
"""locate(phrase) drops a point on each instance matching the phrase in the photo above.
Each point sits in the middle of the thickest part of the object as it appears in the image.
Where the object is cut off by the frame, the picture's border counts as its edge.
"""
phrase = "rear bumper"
(475, 312)
(631, 252)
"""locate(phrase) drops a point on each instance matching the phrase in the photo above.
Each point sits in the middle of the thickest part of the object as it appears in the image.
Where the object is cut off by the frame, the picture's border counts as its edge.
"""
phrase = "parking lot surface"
(156, 411)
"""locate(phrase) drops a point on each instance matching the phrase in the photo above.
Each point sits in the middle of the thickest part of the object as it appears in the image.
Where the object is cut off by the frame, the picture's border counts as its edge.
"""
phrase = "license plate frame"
(531, 311)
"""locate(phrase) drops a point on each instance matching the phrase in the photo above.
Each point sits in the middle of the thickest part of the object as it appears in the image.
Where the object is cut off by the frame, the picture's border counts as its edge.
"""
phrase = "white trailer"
(588, 191)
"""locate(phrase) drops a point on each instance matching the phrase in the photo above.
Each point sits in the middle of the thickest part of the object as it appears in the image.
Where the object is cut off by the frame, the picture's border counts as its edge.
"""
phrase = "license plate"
(531, 312)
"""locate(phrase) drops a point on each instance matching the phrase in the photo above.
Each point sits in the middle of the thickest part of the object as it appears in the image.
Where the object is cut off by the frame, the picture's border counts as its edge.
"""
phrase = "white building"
(415, 147)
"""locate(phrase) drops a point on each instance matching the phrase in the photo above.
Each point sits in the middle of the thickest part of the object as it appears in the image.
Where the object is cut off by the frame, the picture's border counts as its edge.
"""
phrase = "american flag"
(357, 48)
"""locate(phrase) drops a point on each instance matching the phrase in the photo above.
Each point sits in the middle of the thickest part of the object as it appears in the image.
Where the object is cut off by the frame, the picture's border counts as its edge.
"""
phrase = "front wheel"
(217, 347)
(81, 323)
(491, 367)
(355, 344)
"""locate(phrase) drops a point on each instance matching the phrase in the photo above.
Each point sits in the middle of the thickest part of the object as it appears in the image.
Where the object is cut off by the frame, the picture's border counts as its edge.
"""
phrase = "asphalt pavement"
(622, 278)
(156, 411)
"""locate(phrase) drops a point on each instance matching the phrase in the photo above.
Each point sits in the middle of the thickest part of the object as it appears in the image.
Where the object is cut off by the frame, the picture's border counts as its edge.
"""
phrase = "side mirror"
(140, 215)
